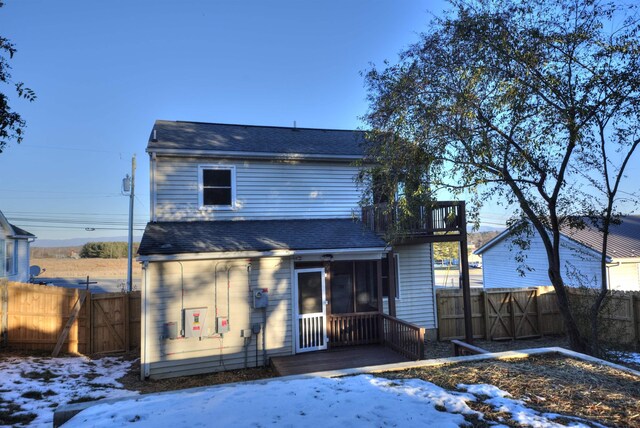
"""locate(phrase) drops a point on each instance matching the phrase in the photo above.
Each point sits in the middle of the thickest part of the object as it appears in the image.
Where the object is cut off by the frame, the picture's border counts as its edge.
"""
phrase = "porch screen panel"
(342, 288)
(366, 286)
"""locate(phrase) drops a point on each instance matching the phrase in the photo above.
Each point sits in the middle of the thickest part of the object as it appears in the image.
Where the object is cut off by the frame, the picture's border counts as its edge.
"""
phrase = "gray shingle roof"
(624, 238)
(21, 232)
(165, 238)
(623, 242)
(178, 135)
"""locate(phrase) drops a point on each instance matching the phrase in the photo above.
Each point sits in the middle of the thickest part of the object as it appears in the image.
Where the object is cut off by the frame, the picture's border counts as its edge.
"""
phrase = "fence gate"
(512, 314)
(109, 322)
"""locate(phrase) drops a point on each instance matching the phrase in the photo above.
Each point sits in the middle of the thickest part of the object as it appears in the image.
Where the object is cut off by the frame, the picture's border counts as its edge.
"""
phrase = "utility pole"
(129, 184)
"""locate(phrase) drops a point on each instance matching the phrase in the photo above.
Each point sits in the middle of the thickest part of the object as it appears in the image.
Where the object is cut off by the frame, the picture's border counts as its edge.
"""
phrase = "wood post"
(327, 289)
(391, 259)
(380, 307)
(4, 321)
(72, 318)
(464, 266)
(634, 322)
(539, 312)
(487, 319)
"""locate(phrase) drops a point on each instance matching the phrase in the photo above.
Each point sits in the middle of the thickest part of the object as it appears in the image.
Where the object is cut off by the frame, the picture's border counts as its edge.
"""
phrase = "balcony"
(440, 221)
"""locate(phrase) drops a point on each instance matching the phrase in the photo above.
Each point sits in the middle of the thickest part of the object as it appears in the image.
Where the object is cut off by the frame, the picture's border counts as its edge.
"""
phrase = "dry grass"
(548, 384)
(79, 268)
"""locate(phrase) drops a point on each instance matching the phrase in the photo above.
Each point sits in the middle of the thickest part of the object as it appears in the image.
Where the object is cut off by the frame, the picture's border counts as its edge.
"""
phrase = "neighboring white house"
(255, 248)
(580, 257)
(14, 251)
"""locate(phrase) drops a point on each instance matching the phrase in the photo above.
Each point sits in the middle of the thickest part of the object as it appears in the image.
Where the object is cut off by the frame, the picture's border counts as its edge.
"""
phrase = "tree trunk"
(576, 341)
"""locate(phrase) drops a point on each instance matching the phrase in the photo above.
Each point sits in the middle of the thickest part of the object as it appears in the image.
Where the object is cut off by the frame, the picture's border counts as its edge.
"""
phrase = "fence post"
(126, 323)
(487, 323)
(89, 345)
(4, 322)
(539, 311)
(634, 321)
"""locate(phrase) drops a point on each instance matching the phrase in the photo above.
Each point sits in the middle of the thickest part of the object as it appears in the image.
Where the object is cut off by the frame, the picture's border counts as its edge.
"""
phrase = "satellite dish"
(35, 270)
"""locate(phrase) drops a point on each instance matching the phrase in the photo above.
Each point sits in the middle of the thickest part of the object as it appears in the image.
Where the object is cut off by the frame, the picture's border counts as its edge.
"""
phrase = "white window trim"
(201, 204)
(398, 288)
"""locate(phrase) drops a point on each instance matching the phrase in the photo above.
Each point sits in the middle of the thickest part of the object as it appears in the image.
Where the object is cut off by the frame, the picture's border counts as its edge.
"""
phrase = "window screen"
(217, 187)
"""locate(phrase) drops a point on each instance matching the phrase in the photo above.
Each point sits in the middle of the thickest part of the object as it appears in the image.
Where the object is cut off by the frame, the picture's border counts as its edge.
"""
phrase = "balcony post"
(391, 259)
(464, 283)
(380, 307)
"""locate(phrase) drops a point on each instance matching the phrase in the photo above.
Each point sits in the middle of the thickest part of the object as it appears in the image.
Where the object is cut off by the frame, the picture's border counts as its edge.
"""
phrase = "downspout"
(144, 372)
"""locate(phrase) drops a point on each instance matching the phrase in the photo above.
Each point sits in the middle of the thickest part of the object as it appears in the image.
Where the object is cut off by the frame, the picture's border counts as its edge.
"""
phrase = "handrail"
(403, 337)
(364, 328)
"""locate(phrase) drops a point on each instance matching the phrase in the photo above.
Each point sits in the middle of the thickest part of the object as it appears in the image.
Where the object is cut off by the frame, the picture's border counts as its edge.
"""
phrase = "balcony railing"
(438, 217)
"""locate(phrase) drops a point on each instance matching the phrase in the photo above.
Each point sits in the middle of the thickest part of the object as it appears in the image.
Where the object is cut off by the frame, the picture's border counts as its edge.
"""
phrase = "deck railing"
(403, 337)
(354, 329)
(426, 220)
(372, 327)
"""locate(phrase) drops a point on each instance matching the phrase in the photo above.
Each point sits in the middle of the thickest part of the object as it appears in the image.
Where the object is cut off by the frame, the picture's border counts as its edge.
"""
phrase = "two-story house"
(256, 249)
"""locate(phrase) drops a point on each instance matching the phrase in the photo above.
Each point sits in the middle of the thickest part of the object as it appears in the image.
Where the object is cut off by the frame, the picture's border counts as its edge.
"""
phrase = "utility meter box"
(222, 324)
(261, 298)
(194, 319)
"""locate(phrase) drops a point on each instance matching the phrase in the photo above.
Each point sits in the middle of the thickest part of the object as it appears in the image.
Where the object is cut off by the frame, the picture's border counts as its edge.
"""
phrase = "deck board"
(336, 359)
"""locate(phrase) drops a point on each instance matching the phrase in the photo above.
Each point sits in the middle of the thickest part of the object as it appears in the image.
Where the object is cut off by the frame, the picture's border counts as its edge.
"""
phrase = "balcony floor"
(335, 359)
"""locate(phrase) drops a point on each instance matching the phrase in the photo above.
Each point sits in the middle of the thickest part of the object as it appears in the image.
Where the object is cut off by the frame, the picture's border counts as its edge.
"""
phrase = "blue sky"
(104, 71)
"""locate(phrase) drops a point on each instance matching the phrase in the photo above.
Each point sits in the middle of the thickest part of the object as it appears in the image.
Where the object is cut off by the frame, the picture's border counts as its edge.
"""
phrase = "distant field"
(97, 268)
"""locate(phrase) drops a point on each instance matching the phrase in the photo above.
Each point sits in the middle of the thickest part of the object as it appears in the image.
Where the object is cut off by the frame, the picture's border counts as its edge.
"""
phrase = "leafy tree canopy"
(530, 103)
(11, 123)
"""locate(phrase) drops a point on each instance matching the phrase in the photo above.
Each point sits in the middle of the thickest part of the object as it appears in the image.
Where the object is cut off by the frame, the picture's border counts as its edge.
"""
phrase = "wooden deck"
(336, 359)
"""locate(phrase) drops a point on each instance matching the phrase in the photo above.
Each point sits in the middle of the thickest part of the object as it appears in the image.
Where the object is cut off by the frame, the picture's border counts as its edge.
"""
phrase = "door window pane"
(309, 292)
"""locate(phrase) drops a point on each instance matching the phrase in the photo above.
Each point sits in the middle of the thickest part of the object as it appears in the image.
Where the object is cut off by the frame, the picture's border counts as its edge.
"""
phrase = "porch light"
(327, 257)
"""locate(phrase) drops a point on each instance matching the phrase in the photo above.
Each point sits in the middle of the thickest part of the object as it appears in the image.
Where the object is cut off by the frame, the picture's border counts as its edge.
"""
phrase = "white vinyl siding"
(264, 190)
(624, 276)
(580, 266)
(415, 304)
(172, 286)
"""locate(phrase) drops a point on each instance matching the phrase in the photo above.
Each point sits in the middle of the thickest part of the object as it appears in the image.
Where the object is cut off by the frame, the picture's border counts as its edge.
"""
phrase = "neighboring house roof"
(11, 230)
(177, 136)
(623, 242)
(180, 237)
(21, 233)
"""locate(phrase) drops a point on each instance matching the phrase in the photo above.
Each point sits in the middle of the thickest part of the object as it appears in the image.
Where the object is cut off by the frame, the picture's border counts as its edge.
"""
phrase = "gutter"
(254, 254)
(226, 154)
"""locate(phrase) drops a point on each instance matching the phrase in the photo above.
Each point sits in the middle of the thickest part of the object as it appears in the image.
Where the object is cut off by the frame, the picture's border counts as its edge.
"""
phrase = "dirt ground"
(132, 380)
(553, 384)
(79, 268)
(436, 349)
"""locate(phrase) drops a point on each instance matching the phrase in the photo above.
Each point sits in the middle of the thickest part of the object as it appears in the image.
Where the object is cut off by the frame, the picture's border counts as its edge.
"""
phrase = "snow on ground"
(358, 401)
(38, 385)
(628, 357)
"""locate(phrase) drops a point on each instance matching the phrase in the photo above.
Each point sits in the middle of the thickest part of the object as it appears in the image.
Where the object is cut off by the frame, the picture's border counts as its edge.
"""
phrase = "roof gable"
(266, 141)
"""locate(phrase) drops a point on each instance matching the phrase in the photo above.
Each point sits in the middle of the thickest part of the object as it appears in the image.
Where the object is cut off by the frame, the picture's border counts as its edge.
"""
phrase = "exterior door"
(310, 305)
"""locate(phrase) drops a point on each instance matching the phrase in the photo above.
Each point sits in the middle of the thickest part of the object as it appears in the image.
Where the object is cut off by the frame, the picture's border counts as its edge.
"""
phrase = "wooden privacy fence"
(54, 319)
(518, 313)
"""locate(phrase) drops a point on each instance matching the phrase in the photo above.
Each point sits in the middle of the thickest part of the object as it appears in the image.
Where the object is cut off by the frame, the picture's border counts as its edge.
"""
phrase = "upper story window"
(217, 186)
(10, 258)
